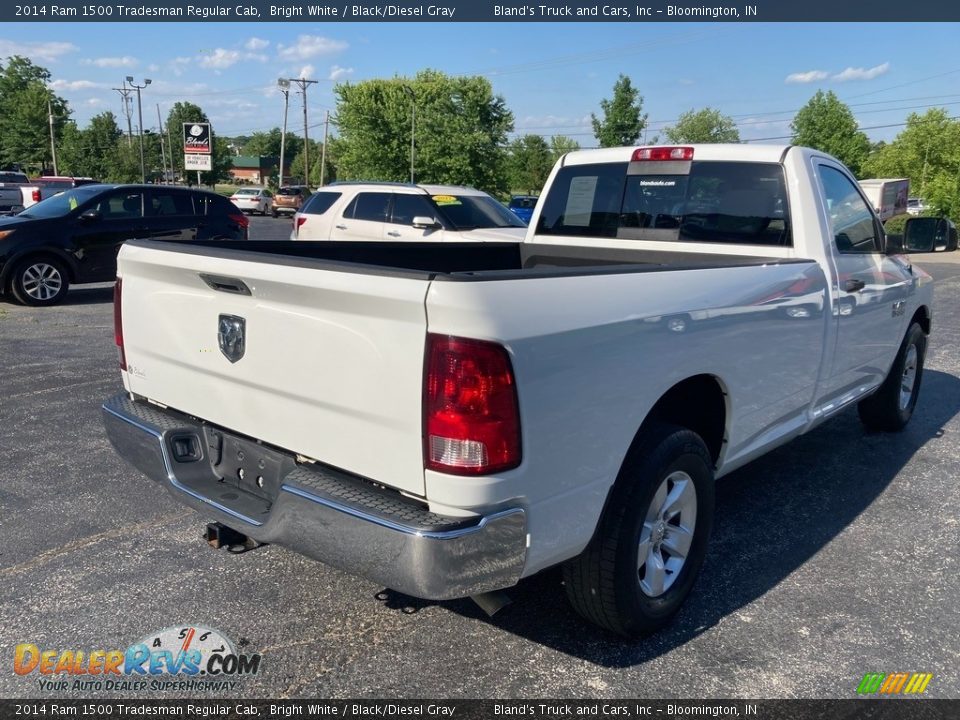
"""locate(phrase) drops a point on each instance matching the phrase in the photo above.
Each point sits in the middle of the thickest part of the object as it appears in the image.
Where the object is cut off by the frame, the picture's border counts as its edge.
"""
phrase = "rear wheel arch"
(699, 403)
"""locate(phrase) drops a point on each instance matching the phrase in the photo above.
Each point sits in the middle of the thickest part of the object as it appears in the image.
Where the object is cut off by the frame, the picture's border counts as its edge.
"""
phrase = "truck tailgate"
(333, 361)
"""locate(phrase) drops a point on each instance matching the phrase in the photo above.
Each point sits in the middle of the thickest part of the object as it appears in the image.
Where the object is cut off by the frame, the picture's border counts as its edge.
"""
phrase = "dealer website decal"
(193, 658)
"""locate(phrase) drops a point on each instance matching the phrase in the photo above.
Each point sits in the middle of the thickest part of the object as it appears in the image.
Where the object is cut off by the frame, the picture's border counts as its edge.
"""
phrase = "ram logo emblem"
(231, 334)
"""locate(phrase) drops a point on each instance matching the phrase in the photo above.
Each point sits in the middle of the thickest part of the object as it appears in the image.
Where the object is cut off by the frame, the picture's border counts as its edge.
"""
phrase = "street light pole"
(284, 86)
(143, 172)
(413, 126)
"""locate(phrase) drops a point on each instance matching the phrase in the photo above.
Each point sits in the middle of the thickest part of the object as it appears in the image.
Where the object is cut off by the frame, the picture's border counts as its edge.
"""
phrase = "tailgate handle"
(226, 284)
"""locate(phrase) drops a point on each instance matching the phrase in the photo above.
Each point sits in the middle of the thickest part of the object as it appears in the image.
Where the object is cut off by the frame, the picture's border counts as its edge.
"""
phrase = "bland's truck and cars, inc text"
(448, 418)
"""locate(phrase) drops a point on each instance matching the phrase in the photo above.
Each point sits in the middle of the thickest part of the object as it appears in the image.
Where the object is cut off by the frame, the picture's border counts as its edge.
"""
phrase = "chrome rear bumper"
(327, 514)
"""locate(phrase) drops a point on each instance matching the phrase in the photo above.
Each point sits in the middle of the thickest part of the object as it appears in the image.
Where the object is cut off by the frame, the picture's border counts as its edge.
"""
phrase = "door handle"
(341, 227)
(393, 234)
(854, 285)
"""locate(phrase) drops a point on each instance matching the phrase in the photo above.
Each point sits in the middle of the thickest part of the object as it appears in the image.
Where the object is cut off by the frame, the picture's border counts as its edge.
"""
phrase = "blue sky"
(552, 75)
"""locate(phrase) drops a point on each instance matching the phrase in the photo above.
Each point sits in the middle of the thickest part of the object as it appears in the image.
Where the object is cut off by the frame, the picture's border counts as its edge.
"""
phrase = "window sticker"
(446, 200)
(580, 201)
(73, 203)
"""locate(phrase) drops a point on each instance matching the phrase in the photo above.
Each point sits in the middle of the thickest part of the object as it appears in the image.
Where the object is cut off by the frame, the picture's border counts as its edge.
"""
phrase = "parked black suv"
(74, 237)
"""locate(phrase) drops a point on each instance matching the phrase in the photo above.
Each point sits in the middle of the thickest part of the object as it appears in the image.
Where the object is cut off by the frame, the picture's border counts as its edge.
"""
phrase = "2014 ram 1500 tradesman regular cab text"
(446, 419)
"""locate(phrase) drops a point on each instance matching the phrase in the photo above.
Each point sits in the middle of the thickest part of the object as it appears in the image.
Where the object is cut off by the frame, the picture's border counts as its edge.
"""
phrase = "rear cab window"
(705, 201)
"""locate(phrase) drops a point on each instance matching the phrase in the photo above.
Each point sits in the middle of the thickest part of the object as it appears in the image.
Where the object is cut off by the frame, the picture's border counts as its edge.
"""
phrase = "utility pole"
(147, 81)
(304, 84)
(284, 86)
(125, 95)
(53, 143)
(323, 150)
(163, 156)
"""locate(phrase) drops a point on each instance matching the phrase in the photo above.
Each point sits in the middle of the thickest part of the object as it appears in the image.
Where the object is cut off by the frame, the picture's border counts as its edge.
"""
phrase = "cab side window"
(369, 206)
(407, 207)
(121, 206)
(854, 228)
(165, 204)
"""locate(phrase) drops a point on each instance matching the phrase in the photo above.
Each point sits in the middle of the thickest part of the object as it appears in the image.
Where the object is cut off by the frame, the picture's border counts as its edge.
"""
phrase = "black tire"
(40, 281)
(274, 213)
(885, 411)
(604, 583)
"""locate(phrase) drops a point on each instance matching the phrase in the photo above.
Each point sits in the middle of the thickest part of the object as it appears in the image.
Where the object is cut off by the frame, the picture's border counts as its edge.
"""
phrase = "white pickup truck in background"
(446, 419)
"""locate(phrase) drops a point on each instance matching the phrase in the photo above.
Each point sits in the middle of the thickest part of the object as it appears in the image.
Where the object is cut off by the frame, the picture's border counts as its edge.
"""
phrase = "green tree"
(623, 117)
(267, 144)
(529, 163)
(90, 152)
(316, 152)
(927, 151)
(461, 128)
(825, 123)
(703, 126)
(24, 125)
(560, 145)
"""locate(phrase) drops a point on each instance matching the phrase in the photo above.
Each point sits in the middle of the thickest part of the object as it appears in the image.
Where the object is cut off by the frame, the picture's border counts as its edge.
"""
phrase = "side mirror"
(929, 234)
(422, 222)
(91, 215)
(895, 245)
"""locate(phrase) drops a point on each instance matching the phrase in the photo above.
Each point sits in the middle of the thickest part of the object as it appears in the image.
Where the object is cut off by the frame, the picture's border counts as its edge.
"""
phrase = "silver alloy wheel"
(667, 534)
(41, 281)
(909, 377)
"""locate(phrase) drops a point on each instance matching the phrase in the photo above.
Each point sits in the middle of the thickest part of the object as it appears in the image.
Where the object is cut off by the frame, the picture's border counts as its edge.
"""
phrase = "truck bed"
(462, 261)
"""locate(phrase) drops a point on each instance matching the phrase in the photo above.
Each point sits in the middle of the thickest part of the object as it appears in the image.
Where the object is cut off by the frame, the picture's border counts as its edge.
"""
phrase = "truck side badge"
(231, 333)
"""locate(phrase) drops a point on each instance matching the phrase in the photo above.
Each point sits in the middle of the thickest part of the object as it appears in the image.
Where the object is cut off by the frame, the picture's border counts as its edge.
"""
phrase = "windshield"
(62, 204)
(247, 192)
(467, 212)
(289, 191)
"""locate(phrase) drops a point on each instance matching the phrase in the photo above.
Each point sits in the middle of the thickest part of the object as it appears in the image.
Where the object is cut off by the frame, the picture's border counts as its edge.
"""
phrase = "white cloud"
(338, 73)
(807, 77)
(113, 62)
(255, 44)
(73, 85)
(153, 67)
(93, 102)
(178, 65)
(852, 73)
(43, 51)
(219, 59)
(306, 71)
(308, 46)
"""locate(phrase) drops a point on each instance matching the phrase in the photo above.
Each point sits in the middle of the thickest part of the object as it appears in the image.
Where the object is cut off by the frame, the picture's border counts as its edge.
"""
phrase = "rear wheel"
(651, 541)
(891, 406)
(40, 281)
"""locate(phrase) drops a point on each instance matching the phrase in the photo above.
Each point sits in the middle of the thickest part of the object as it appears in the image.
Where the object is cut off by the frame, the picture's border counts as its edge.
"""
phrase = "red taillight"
(118, 322)
(471, 416)
(35, 195)
(663, 153)
(240, 219)
(298, 221)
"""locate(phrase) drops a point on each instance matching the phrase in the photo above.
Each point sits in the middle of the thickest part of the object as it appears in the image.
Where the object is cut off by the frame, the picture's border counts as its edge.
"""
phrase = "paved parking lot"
(833, 556)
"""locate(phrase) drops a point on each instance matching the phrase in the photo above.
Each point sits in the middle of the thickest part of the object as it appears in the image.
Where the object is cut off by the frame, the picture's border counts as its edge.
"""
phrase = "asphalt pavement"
(833, 556)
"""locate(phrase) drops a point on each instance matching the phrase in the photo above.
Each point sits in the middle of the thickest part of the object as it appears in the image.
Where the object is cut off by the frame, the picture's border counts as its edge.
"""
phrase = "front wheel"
(891, 406)
(651, 541)
(40, 281)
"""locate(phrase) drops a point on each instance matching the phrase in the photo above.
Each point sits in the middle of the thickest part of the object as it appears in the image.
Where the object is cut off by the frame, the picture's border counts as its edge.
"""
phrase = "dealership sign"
(192, 161)
(197, 138)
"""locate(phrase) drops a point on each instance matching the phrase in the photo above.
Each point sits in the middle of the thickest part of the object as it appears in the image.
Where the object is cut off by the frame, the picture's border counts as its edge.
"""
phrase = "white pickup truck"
(446, 419)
